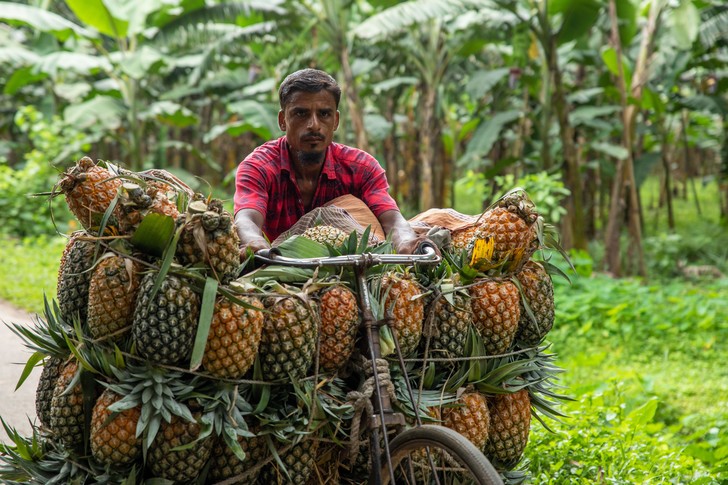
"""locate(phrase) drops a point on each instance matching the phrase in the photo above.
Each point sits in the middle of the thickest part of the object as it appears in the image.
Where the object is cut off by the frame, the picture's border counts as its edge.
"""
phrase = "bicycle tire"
(457, 447)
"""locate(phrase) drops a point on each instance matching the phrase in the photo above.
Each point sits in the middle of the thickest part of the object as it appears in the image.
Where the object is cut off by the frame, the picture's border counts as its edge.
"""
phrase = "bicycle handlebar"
(428, 257)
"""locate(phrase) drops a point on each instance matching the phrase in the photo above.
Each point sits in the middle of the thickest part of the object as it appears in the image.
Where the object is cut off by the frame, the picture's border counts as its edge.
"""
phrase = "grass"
(29, 270)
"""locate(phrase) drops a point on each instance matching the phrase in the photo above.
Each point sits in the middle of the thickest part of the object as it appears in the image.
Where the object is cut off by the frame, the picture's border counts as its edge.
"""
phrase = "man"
(283, 179)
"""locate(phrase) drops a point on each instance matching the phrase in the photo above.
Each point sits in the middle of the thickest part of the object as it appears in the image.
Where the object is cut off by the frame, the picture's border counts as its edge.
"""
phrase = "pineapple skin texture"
(226, 465)
(67, 415)
(113, 442)
(288, 342)
(408, 311)
(44, 392)
(234, 338)
(111, 298)
(339, 315)
(89, 190)
(326, 235)
(472, 419)
(452, 324)
(496, 313)
(538, 290)
(163, 329)
(183, 465)
(74, 278)
(510, 426)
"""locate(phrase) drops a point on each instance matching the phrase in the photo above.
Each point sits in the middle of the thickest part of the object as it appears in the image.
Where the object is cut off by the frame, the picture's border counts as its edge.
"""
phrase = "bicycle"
(448, 456)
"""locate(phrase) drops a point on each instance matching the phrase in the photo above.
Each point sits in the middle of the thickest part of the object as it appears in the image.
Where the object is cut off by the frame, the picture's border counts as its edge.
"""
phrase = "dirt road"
(15, 406)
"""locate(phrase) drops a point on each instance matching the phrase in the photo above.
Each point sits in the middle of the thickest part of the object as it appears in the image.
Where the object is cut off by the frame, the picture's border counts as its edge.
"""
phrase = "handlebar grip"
(426, 248)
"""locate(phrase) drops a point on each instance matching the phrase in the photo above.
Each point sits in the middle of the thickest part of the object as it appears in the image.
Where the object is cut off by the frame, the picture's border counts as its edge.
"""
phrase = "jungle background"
(612, 114)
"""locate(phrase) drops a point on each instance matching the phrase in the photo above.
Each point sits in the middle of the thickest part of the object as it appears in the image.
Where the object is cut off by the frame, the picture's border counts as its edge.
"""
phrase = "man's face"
(309, 120)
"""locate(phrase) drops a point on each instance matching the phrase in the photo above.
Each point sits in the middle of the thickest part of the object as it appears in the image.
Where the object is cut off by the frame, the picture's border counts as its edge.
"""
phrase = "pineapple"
(89, 190)
(326, 235)
(74, 276)
(225, 464)
(451, 324)
(112, 295)
(402, 298)
(164, 327)
(506, 236)
(496, 312)
(288, 342)
(471, 418)
(339, 318)
(538, 291)
(234, 337)
(209, 236)
(67, 414)
(113, 436)
(299, 460)
(510, 416)
(460, 239)
(136, 202)
(46, 385)
(179, 465)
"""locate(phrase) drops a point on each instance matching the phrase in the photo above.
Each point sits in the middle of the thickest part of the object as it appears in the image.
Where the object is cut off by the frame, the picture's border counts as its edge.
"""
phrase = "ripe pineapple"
(67, 415)
(112, 295)
(326, 235)
(299, 461)
(510, 416)
(234, 337)
(451, 324)
(408, 309)
(113, 436)
(538, 290)
(506, 236)
(225, 464)
(289, 338)
(179, 465)
(209, 237)
(471, 419)
(89, 191)
(496, 311)
(460, 239)
(136, 202)
(74, 277)
(163, 328)
(339, 318)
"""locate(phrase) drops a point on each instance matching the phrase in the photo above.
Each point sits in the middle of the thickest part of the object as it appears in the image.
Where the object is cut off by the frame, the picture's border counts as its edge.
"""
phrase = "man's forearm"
(248, 224)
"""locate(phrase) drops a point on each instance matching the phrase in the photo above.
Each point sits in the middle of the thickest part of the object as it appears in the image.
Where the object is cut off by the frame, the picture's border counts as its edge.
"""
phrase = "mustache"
(316, 136)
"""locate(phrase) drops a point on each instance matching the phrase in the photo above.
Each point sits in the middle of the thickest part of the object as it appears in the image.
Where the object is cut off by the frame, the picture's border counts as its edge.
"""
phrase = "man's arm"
(404, 238)
(249, 224)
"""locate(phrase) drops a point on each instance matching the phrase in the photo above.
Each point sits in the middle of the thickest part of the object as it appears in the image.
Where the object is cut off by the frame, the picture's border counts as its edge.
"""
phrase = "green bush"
(22, 214)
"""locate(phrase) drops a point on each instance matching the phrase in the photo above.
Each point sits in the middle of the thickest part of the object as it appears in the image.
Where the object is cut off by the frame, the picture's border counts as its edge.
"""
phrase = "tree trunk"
(427, 142)
(356, 112)
(575, 210)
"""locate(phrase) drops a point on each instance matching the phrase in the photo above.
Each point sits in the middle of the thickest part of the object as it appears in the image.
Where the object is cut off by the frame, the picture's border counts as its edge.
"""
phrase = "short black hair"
(310, 81)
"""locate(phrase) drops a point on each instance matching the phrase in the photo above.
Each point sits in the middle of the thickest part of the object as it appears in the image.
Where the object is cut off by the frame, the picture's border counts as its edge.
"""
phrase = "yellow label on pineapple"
(482, 251)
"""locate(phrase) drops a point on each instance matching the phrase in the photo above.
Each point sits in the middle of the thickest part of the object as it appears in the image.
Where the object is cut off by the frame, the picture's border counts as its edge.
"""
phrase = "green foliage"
(29, 270)
(546, 190)
(645, 362)
(22, 214)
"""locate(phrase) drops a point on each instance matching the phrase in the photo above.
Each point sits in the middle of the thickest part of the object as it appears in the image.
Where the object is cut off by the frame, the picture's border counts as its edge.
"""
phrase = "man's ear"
(336, 121)
(282, 120)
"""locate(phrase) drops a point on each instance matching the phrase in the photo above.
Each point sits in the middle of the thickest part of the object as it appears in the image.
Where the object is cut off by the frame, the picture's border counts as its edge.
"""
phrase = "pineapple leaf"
(301, 247)
(153, 234)
(29, 366)
(166, 262)
(207, 309)
(107, 216)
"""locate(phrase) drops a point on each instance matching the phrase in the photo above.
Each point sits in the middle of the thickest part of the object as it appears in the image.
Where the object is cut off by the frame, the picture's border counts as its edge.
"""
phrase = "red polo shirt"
(265, 182)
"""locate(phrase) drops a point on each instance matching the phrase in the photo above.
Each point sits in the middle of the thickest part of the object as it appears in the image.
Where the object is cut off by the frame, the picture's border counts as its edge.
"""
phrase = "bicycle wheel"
(437, 455)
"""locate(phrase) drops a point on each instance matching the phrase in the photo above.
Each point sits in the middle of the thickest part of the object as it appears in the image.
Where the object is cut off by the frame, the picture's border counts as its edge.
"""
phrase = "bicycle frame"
(384, 414)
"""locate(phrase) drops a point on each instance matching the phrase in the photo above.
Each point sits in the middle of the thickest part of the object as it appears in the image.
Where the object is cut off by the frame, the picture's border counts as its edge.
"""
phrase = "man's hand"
(248, 223)
(412, 245)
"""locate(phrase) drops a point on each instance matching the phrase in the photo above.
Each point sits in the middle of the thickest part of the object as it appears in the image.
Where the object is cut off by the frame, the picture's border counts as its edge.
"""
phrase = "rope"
(361, 399)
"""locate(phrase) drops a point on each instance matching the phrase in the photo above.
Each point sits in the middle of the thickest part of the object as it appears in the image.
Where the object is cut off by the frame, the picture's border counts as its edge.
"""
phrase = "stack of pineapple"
(164, 357)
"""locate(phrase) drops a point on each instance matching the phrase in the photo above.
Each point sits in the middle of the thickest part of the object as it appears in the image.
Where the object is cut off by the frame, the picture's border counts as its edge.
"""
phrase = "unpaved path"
(15, 406)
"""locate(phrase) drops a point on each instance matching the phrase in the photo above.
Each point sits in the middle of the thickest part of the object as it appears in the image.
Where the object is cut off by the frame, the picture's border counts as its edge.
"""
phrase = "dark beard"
(310, 158)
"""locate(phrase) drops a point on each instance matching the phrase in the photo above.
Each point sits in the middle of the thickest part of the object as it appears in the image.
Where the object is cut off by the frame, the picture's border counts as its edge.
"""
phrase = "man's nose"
(313, 122)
